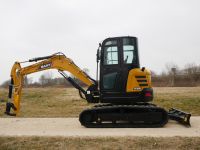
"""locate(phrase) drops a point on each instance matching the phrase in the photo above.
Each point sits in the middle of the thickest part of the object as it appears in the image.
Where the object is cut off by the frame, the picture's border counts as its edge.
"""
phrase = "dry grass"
(184, 98)
(49, 102)
(65, 102)
(107, 143)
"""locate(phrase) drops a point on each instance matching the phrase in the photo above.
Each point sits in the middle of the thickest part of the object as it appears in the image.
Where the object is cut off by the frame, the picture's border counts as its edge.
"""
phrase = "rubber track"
(122, 116)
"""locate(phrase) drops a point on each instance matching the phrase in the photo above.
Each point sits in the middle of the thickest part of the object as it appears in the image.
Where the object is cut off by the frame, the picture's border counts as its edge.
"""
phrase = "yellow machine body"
(138, 80)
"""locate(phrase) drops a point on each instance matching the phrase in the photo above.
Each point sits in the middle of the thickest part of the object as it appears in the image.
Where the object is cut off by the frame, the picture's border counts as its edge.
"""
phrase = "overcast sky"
(168, 30)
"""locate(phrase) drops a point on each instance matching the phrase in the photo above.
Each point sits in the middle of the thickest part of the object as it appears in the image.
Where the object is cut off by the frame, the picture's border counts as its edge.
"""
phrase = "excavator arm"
(56, 61)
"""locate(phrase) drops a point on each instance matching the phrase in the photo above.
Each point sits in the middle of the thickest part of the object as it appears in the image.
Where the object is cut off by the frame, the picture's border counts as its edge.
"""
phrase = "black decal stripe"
(140, 76)
(143, 84)
(142, 80)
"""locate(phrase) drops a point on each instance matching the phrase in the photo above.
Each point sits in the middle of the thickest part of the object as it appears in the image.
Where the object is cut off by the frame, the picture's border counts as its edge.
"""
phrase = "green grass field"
(65, 102)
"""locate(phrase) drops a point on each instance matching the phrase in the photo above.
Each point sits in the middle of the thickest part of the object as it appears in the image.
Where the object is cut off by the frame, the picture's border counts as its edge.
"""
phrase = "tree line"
(172, 76)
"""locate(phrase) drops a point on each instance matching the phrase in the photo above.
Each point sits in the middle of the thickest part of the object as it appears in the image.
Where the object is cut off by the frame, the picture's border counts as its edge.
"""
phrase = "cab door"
(110, 67)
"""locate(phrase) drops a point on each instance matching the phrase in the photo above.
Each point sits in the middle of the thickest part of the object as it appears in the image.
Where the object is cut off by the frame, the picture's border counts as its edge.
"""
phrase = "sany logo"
(45, 66)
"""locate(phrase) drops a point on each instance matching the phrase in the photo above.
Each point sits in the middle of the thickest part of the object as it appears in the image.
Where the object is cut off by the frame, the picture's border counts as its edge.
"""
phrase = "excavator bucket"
(10, 106)
(180, 116)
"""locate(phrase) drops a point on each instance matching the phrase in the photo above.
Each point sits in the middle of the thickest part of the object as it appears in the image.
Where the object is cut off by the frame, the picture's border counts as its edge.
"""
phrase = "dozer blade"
(180, 116)
(10, 106)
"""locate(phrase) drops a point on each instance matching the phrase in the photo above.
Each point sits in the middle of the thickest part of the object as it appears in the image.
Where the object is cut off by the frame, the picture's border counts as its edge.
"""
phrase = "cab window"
(129, 52)
(111, 53)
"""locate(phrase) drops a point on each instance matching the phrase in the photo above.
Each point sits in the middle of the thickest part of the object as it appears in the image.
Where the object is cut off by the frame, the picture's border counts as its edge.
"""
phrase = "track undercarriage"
(140, 115)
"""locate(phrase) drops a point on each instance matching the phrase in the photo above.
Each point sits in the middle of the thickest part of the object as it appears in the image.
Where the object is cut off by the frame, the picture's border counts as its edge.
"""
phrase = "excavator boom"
(56, 61)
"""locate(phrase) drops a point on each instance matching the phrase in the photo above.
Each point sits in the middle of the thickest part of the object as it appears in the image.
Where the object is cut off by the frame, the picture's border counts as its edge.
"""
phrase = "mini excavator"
(123, 90)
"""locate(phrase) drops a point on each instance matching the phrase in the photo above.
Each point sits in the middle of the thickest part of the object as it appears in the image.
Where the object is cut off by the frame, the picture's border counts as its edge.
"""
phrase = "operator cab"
(118, 56)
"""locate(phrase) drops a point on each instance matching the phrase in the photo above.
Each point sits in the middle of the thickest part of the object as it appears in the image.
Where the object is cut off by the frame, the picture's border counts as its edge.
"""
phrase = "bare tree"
(49, 77)
(191, 68)
(169, 67)
(192, 71)
(153, 73)
(42, 80)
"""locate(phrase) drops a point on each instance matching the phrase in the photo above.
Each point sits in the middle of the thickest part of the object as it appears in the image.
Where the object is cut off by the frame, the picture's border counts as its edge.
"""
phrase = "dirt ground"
(70, 127)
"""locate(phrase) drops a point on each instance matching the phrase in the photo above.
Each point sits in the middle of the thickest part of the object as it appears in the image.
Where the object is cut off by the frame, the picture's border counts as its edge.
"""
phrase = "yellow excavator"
(122, 89)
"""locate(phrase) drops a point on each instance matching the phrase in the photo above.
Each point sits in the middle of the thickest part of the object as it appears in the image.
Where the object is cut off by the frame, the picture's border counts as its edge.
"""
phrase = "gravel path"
(68, 127)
